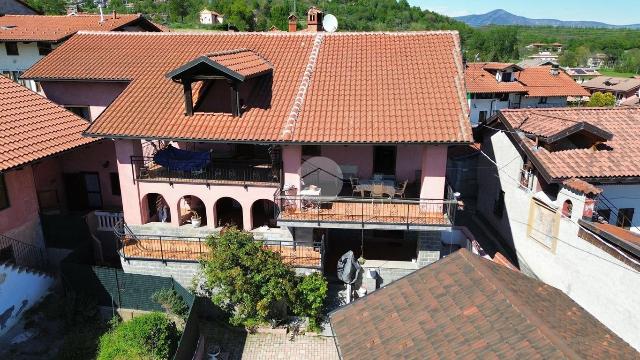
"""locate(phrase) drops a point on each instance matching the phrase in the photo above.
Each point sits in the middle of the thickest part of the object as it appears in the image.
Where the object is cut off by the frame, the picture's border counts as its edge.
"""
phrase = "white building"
(208, 17)
(495, 86)
(546, 175)
(25, 39)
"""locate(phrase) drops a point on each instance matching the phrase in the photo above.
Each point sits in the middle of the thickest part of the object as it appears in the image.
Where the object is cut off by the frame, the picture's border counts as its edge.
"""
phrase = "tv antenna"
(329, 23)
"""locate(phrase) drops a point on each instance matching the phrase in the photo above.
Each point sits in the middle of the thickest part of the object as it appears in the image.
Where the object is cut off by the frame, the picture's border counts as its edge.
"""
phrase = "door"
(83, 191)
(384, 160)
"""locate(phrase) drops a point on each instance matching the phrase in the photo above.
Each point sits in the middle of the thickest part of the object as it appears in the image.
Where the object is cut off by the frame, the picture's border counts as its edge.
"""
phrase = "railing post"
(200, 245)
(161, 252)
(408, 209)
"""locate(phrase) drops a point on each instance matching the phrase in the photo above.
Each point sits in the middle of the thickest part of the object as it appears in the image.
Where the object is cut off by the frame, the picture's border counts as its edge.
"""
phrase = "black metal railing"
(409, 212)
(22, 254)
(191, 249)
(245, 171)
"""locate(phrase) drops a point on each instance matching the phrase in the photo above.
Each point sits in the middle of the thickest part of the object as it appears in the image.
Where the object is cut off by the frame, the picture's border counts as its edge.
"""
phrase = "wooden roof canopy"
(234, 66)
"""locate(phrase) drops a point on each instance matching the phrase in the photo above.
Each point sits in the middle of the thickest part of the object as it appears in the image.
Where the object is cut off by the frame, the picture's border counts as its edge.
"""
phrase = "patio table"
(388, 186)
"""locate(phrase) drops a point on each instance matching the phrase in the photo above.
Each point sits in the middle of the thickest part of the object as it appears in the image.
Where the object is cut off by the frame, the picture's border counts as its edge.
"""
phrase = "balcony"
(365, 213)
(192, 249)
(246, 172)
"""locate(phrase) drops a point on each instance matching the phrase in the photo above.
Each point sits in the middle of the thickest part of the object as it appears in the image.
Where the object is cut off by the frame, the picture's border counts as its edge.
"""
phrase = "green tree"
(179, 9)
(599, 99)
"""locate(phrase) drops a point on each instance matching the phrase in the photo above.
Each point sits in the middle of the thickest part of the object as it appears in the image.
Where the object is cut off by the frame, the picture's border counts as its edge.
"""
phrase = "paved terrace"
(194, 249)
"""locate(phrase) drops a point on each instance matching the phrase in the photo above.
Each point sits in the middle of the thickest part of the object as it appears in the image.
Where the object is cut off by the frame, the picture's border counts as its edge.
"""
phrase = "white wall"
(623, 196)
(28, 55)
(19, 291)
(604, 286)
(488, 105)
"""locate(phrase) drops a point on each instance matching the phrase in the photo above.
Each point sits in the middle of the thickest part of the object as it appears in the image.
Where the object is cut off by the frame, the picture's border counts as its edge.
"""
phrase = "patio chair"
(354, 186)
(401, 189)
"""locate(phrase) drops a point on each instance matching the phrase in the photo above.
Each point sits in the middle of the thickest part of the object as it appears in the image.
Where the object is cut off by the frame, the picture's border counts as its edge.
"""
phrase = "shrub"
(599, 99)
(151, 336)
(311, 292)
(171, 301)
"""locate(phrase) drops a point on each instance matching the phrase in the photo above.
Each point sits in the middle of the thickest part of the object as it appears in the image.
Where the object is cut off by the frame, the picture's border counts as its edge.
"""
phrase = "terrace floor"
(185, 250)
(368, 212)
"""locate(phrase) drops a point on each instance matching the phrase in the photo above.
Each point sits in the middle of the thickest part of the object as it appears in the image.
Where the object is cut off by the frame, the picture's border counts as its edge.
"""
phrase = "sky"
(618, 12)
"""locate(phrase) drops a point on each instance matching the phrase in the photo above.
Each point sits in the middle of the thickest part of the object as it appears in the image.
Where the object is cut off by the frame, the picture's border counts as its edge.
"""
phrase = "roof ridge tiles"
(268, 33)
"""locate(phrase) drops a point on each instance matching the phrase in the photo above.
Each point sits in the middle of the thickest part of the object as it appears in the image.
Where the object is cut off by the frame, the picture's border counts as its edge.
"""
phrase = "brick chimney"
(114, 15)
(314, 19)
(293, 23)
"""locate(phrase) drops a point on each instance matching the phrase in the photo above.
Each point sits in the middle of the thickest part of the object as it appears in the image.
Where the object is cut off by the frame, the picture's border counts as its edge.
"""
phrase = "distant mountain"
(502, 17)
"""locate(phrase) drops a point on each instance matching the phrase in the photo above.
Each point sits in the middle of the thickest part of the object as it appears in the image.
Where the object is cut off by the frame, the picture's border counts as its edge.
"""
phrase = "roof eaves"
(175, 74)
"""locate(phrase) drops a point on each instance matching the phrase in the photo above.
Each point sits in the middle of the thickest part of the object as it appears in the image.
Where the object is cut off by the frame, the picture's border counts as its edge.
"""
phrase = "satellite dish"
(330, 23)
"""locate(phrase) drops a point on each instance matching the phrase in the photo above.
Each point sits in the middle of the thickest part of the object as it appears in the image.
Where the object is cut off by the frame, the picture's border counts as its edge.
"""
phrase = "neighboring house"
(25, 39)
(466, 307)
(246, 111)
(47, 167)
(556, 47)
(580, 75)
(597, 61)
(545, 175)
(544, 56)
(621, 88)
(209, 17)
(527, 63)
(16, 7)
(495, 86)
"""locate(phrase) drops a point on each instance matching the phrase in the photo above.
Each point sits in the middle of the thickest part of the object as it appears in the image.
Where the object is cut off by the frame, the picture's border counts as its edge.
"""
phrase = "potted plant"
(196, 220)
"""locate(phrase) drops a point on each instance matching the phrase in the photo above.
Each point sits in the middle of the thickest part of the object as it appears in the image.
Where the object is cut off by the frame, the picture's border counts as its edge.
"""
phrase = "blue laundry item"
(182, 160)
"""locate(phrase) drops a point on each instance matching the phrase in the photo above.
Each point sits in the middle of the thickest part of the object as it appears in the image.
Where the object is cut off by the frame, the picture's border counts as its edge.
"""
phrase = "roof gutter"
(632, 248)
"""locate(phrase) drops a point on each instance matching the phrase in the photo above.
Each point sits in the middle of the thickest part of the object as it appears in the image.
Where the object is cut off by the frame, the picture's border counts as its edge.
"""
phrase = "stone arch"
(188, 206)
(155, 208)
(264, 212)
(229, 212)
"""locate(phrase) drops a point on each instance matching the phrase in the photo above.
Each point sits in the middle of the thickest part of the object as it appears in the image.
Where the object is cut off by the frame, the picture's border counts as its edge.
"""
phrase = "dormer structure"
(222, 82)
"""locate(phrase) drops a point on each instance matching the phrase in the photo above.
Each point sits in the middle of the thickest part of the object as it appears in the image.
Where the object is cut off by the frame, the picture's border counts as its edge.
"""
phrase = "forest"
(493, 43)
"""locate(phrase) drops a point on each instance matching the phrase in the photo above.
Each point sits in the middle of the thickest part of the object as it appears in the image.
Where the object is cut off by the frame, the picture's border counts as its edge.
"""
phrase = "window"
(311, 150)
(12, 48)
(567, 208)
(605, 214)
(115, 184)
(483, 116)
(625, 218)
(507, 77)
(44, 48)
(4, 195)
(82, 111)
(543, 100)
(503, 97)
(498, 205)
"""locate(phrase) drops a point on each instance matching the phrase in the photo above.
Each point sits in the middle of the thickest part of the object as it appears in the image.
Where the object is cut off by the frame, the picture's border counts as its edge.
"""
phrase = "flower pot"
(196, 222)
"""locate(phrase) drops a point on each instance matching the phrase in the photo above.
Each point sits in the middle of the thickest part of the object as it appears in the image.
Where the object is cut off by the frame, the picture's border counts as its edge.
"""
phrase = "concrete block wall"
(429, 247)
(181, 272)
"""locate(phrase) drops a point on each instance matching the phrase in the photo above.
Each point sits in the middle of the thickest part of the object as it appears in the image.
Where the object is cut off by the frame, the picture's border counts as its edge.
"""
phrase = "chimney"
(314, 19)
(555, 70)
(293, 23)
(114, 15)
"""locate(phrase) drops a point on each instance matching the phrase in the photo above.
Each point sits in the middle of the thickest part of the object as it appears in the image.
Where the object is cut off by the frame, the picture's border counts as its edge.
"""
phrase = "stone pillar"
(429, 246)
(291, 161)
(247, 220)
(131, 202)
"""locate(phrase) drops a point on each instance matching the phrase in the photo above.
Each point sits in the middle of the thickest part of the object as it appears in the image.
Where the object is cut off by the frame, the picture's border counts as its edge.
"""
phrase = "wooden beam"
(188, 98)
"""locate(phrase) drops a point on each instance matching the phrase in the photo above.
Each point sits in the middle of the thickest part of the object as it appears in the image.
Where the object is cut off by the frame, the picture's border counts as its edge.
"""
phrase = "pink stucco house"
(318, 143)
(47, 167)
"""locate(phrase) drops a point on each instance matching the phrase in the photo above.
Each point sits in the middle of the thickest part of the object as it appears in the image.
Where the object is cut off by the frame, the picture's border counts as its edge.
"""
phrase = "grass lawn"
(609, 72)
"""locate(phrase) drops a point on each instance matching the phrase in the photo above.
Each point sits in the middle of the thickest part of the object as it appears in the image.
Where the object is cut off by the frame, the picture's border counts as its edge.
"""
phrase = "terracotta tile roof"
(479, 80)
(32, 127)
(609, 83)
(620, 233)
(335, 88)
(615, 158)
(466, 307)
(243, 61)
(534, 81)
(582, 186)
(59, 27)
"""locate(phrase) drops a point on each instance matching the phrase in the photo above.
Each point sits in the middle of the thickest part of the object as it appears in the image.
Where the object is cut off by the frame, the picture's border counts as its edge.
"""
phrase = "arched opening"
(191, 210)
(567, 208)
(156, 208)
(264, 213)
(229, 213)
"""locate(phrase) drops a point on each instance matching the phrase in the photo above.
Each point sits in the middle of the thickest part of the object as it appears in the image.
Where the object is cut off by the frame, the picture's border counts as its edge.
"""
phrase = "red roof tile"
(466, 307)
(58, 27)
(32, 127)
(534, 81)
(245, 62)
(337, 88)
(582, 186)
(615, 158)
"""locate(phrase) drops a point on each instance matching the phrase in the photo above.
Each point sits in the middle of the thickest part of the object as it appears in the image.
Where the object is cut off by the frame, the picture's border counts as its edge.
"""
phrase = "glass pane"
(92, 182)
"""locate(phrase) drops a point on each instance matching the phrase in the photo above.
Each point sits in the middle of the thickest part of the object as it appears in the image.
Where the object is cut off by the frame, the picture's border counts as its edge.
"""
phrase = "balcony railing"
(366, 211)
(23, 254)
(221, 171)
(193, 249)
